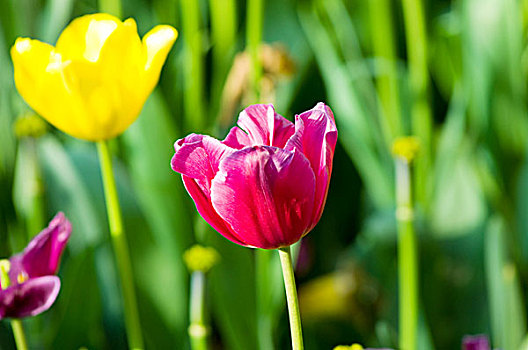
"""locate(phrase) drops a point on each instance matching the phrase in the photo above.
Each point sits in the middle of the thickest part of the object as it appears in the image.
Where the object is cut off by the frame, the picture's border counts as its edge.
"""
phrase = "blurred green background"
(452, 73)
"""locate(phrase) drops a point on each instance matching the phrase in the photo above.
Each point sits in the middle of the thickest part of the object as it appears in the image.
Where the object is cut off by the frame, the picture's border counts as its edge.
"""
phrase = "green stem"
(198, 330)
(253, 38)
(415, 34)
(194, 72)
(120, 244)
(112, 7)
(291, 296)
(223, 33)
(382, 30)
(18, 333)
(36, 219)
(407, 258)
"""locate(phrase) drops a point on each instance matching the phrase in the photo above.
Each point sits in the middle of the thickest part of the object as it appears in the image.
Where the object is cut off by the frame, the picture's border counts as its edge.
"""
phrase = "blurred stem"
(36, 221)
(387, 82)
(194, 100)
(119, 241)
(407, 258)
(223, 32)
(263, 279)
(18, 333)
(291, 296)
(223, 28)
(29, 190)
(415, 34)
(112, 7)
(198, 329)
(255, 13)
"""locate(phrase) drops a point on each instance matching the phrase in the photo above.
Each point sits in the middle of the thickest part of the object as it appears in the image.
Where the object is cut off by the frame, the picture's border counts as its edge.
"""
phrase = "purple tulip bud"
(29, 285)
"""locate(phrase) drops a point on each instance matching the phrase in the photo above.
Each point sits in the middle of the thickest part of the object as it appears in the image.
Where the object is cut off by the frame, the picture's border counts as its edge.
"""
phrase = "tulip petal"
(266, 194)
(43, 254)
(198, 157)
(85, 36)
(30, 59)
(110, 87)
(157, 44)
(236, 138)
(316, 136)
(206, 210)
(264, 126)
(29, 298)
(39, 78)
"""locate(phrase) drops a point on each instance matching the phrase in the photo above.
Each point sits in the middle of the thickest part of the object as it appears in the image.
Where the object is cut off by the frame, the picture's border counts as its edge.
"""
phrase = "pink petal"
(316, 136)
(206, 210)
(264, 126)
(237, 138)
(43, 254)
(266, 194)
(29, 298)
(197, 157)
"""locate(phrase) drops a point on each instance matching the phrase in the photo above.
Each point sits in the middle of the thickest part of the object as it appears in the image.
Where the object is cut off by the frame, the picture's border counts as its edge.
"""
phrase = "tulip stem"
(18, 333)
(119, 241)
(194, 100)
(198, 329)
(407, 258)
(255, 12)
(291, 296)
(416, 39)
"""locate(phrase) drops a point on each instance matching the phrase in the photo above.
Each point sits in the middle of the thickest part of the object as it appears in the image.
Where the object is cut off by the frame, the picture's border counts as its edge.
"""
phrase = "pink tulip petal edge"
(265, 184)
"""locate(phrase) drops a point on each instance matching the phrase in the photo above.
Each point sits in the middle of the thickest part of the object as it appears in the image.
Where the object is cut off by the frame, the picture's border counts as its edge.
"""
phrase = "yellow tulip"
(94, 82)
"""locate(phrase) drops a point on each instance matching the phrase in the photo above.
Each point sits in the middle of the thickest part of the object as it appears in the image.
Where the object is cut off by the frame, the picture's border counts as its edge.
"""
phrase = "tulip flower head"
(28, 282)
(265, 184)
(94, 82)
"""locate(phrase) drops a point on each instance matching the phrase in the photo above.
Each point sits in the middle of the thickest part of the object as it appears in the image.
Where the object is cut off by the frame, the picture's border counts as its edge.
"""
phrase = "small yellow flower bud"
(406, 147)
(29, 125)
(349, 347)
(200, 258)
(5, 266)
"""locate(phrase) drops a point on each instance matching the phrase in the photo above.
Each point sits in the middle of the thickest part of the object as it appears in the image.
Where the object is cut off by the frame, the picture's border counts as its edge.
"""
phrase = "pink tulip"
(265, 184)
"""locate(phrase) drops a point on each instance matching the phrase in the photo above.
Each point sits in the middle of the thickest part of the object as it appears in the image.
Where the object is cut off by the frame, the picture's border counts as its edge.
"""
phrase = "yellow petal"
(109, 81)
(157, 42)
(84, 37)
(120, 72)
(107, 113)
(40, 81)
(30, 59)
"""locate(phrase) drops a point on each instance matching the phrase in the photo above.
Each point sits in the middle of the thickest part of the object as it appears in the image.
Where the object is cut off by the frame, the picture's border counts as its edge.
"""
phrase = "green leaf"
(508, 319)
(358, 132)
